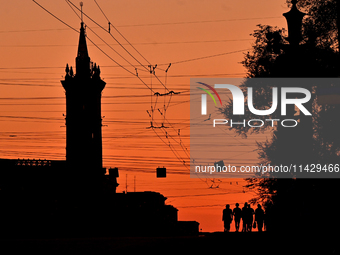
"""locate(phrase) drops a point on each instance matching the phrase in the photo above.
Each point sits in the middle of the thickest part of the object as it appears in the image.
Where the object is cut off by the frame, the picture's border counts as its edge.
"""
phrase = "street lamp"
(294, 20)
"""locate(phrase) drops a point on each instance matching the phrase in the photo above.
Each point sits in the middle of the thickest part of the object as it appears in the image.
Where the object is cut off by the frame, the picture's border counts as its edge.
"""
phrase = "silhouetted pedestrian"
(227, 217)
(237, 216)
(259, 217)
(250, 218)
(244, 217)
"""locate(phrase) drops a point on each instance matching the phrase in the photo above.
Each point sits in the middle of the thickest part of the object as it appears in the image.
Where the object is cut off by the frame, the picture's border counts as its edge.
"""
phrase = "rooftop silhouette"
(74, 198)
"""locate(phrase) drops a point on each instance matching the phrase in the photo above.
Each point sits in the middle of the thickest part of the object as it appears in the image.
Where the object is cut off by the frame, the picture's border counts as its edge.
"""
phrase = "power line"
(136, 43)
(210, 56)
(171, 147)
(128, 77)
(105, 43)
(78, 32)
(55, 16)
(143, 25)
(33, 30)
(101, 10)
(176, 62)
(124, 47)
(110, 24)
(109, 34)
(93, 42)
(198, 22)
(151, 89)
(112, 48)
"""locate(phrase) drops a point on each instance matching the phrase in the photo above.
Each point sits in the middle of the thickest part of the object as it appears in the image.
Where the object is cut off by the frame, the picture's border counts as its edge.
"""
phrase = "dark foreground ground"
(210, 243)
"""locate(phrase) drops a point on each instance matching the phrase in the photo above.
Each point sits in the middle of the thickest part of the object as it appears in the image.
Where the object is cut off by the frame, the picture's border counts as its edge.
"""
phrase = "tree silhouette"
(315, 140)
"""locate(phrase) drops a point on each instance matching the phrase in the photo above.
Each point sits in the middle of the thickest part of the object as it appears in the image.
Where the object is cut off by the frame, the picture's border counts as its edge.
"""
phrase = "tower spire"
(82, 46)
(82, 59)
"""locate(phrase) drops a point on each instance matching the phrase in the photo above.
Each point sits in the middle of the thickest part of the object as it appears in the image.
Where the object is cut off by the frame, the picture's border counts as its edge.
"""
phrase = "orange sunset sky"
(34, 50)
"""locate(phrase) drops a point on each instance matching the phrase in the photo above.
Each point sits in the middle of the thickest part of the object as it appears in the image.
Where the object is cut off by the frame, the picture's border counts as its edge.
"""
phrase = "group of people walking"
(246, 214)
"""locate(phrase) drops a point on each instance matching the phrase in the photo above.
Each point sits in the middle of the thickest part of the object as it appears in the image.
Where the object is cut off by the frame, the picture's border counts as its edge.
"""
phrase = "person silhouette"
(244, 217)
(250, 218)
(259, 217)
(227, 218)
(237, 212)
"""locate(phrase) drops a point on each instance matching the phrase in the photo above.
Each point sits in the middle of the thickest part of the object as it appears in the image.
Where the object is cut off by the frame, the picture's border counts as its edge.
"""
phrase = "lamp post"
(294, 20)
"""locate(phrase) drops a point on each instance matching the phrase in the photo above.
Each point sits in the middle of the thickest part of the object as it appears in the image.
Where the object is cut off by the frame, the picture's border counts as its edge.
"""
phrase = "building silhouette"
(83, 114)
(75, 198)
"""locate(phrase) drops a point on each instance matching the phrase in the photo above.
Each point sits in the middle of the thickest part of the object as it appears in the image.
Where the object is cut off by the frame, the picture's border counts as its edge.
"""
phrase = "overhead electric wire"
(164, 64)
(93, 43)
(151, 72)
(87, 27)
(109, 34)
(122, 45)
(79, 32)
(178, 155)
(210, 56)
(183, 61)
(68, 1)
(55, 16)
(143, 25)
(110, 24)
(136, 43)
(198, 22)
(101, 10)
(115, 51)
